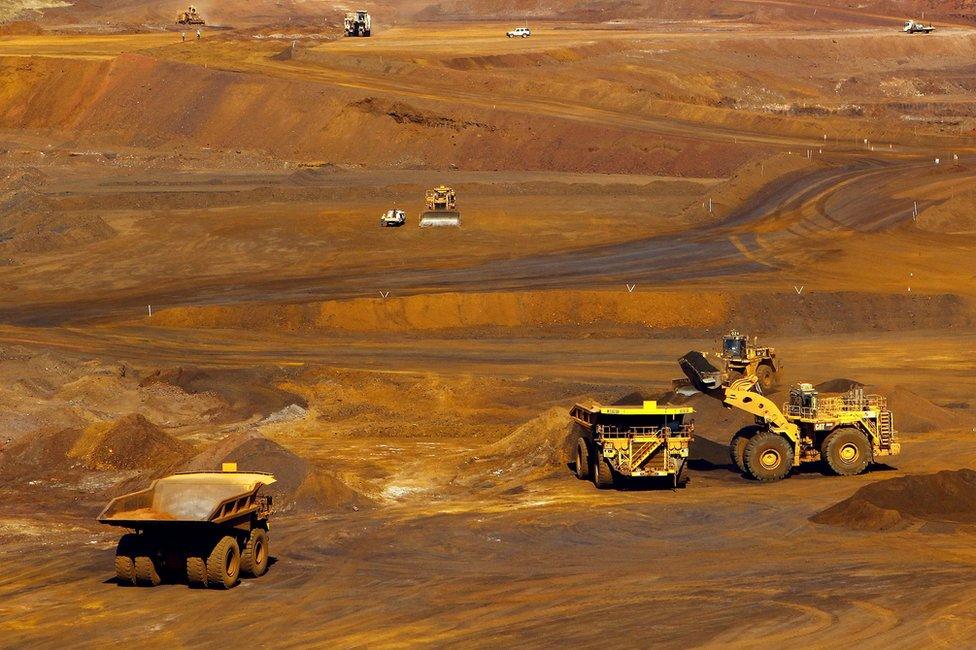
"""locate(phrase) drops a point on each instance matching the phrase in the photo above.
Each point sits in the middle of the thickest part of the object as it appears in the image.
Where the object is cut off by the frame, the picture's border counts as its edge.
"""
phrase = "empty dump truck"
(639, 440)
(209, 527)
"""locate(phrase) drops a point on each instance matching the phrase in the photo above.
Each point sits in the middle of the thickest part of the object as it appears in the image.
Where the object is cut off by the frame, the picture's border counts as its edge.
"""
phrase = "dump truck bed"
(192, 497)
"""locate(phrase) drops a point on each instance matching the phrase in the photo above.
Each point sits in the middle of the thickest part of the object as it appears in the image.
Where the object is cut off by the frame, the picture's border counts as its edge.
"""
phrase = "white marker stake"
(150, 311)
(798, 290)
(631, 287)
(385, 295)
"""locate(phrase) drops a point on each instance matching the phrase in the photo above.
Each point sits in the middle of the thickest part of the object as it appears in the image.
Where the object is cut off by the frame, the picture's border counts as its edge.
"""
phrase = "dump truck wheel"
(582, 460)
(768, 457)
(767, 378)
(125, 566)
(602, 474)
(847, 451)
(196, 571)
(224, 564)
(682, 478)
(254, 557)
(147, 574)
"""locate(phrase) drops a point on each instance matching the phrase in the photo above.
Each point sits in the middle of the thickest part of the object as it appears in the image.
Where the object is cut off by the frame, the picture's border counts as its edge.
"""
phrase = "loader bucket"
(700, 372)
(440, 218)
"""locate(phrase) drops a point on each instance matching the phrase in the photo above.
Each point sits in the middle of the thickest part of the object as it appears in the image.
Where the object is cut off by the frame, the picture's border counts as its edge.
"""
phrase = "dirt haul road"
(191, 264)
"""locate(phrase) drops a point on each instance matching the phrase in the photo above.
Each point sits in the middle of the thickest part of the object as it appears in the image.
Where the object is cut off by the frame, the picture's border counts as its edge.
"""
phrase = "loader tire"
(196, 571)
(582, 460)
(768, 457)
(767, 379)
(125, 564)
(602, 473)
(737, 446)
(847, 451)
(224, 564)
(255, 556)
(147, 574)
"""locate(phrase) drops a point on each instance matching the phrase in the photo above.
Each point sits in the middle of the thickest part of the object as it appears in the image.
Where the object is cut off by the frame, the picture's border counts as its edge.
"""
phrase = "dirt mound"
(540, 448)
(31, 223)
(933, 501)
(838, 385)
(955, 216)
(129, 443)
(916, 414)
(132, 442)
(21, 28)
(300, 484)
(245, 393)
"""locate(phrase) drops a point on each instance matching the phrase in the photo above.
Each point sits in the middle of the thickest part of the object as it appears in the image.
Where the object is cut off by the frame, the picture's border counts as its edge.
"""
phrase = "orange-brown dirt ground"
(192, 272)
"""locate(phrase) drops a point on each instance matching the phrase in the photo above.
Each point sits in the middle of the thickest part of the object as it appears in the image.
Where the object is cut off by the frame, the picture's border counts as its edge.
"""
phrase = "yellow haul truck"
(209, 527)
(847, 432)
(640, 440)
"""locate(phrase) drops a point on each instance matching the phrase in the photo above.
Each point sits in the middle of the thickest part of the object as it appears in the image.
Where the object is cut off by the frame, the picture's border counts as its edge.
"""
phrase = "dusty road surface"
(192, 271)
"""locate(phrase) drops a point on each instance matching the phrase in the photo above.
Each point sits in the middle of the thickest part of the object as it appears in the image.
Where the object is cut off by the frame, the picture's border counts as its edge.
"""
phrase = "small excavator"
(847, 432)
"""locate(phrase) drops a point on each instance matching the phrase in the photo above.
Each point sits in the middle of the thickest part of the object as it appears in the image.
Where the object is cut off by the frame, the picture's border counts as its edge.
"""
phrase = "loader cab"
(804, 396)
(734, 345)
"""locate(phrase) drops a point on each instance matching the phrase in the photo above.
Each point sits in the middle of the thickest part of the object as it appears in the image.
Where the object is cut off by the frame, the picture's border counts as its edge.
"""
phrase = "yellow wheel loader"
(441, 208)
(846, 432)
(640, 440)
(743, 358)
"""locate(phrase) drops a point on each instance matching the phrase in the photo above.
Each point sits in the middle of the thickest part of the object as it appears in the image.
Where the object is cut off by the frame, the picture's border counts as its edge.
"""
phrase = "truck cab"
(632, 440)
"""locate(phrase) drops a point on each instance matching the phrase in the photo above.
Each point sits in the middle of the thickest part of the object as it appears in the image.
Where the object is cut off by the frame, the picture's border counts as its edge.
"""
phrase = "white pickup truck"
(520, 32)
(393, 218)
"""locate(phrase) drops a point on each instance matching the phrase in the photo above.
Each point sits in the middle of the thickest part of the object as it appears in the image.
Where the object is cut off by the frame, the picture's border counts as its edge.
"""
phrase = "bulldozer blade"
(701, 373)
(440, 218)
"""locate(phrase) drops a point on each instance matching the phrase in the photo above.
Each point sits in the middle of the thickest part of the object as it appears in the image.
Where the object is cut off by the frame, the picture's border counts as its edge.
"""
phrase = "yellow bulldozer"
(441, 208)
(189, 17)
(847, 432)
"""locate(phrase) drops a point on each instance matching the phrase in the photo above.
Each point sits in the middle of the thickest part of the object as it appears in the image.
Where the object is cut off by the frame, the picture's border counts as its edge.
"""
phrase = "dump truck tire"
(767, 378)
(582, 460)
(768, 457)
(682, 478)
(196, 571)
(255, 556)
(224, 564)
(847, 451)
(737, 447)
(147, 575)
(125, 565)
(602, 474)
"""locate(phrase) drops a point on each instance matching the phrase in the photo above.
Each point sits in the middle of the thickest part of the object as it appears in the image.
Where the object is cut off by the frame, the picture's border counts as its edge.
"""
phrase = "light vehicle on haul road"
(210, 527)
(519, 32)
(639, 440)
(358, 23)
(847, 432)
(393, 218)
(913, 27)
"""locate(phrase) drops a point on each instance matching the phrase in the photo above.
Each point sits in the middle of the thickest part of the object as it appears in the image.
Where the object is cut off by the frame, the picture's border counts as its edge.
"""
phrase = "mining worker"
(183, 36)
(198, 34)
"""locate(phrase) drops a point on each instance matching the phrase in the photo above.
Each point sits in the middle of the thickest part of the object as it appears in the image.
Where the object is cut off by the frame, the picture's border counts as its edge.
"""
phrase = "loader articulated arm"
(739, 394)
